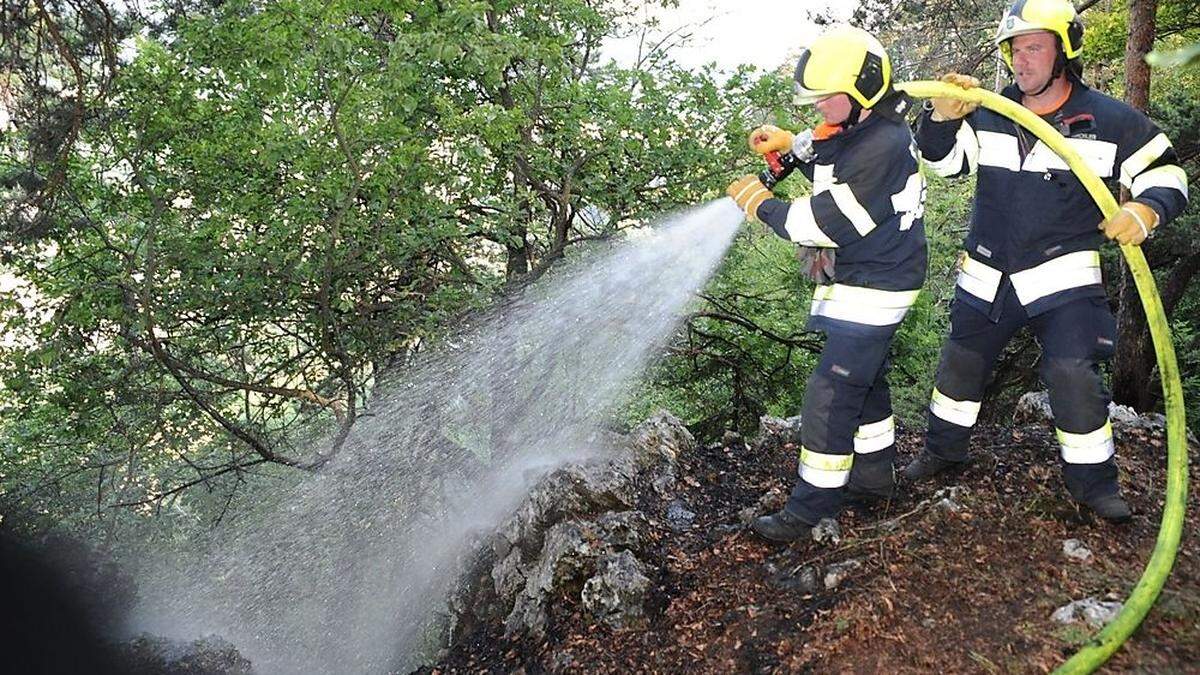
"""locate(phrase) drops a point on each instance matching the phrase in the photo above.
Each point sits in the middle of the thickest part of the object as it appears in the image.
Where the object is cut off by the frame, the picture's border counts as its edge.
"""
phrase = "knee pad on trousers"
(815, 412)
(1078, 398)
(830, 414)
(961, 372)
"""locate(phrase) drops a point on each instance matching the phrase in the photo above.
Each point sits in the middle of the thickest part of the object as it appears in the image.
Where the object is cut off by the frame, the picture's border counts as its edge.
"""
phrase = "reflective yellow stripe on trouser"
(962, 413)
(825, 470)
(875, 436)
(1090, 448)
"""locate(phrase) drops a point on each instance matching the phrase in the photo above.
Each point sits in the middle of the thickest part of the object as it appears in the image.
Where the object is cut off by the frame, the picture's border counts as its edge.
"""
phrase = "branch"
(145, 307)
(159, 496)
(60, 169)
(808, 344)
(334, 405)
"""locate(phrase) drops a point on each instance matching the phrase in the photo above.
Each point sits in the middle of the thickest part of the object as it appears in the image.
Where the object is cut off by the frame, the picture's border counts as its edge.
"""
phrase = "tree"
(1134, 381)
(270, 206)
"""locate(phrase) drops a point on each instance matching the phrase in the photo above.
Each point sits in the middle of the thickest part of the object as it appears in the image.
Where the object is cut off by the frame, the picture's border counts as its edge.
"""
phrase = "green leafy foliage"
(274, 204)
(257, 209)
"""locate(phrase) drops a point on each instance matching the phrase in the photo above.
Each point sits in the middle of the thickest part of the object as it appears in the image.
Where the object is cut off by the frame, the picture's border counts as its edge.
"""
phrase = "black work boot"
(1111, 508)
(781, 526)
(1096, 487)
(927, 465)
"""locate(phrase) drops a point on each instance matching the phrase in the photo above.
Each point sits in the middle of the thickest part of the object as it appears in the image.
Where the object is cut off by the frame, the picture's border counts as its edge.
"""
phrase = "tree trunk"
(1141, 41)
(517, 261)
(517, 258)
(1133, 366)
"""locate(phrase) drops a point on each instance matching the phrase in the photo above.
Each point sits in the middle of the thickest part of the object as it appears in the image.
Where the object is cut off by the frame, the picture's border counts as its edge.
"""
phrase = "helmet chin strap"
(855, 115)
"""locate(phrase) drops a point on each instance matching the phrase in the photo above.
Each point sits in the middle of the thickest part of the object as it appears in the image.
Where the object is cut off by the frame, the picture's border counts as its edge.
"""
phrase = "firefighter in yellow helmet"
(1032, 255)
(867, 202)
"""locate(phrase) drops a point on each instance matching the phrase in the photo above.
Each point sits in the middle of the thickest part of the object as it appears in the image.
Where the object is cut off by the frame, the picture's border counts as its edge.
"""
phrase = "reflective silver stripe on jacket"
(859, 304)
(1073, 270)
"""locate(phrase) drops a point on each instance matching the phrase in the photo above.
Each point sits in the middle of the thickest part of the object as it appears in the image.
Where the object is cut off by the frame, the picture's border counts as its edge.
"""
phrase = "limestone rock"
(775, 432)
(1034, 408)
(577, 531)
(568, 552)
(617, 593)
(1075, 550)
(826, 531)
(806, 581)
(1096, 613)
(836, 573)
(211, 655)
(679, 518)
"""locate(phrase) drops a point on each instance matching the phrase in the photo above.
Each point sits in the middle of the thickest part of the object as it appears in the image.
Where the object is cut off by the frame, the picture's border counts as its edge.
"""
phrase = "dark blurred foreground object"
(44, 626)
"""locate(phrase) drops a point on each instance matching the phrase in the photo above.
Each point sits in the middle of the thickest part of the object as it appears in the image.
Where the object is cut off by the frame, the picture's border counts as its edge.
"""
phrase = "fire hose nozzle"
(781, 164)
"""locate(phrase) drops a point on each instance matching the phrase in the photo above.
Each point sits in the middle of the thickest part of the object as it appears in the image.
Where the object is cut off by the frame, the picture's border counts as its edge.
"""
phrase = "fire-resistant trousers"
(1076, 338)
(847, 430)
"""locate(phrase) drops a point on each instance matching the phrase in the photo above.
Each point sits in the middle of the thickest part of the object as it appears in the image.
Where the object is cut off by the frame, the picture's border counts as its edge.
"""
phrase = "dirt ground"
(936, 590)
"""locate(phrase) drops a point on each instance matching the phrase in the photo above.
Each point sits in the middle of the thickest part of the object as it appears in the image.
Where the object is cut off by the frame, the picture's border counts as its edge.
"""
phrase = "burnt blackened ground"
(964, 585)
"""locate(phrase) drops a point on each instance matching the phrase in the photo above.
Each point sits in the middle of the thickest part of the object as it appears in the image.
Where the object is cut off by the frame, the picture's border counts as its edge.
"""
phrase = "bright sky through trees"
(763, 33)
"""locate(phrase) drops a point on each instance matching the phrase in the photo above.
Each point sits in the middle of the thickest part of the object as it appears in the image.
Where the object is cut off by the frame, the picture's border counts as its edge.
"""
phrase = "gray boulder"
(1034, 408)
(616, 594)
(827, 532)
(1075, 550)
(679, 518)
(568, 552)
(836, 573)
(805, 581)
(577, 533)
(775, 432)
(147, 654)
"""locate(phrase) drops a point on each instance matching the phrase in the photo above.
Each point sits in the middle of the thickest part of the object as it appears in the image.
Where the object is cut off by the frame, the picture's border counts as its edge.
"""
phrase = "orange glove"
(945, 109)
(768, 138)
(749, 193)
(1132, 224)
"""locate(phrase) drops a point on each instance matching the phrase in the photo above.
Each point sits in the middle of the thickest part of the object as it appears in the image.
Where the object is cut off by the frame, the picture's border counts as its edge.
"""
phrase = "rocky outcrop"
(617, 594)
(1034, 408)
(776, 432)
(148, 655)
(579, 532)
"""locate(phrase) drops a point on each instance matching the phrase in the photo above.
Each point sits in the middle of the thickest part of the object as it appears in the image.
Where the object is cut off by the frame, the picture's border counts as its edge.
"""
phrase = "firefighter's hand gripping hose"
(1102, 645)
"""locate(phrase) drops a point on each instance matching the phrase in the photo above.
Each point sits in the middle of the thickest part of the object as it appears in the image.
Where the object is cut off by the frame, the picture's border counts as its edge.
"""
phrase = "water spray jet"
(348, 569)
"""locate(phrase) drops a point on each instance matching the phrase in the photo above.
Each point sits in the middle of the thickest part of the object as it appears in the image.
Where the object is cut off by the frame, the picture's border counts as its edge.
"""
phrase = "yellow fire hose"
(1102, 645)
